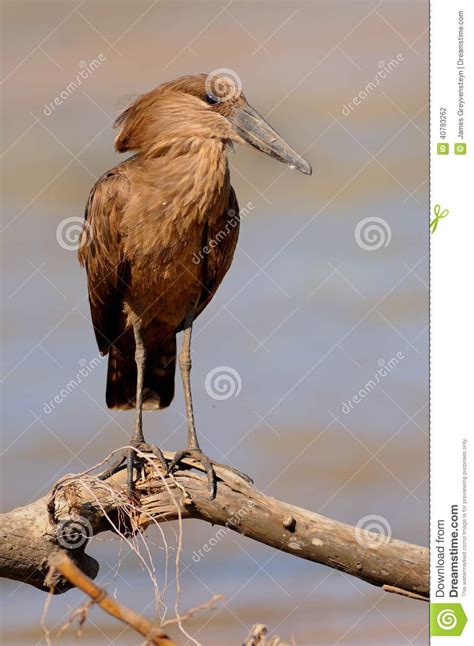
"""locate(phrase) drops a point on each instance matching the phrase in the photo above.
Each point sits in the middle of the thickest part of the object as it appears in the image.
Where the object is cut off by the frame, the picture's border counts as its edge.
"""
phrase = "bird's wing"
(100, 252)
(225, 233)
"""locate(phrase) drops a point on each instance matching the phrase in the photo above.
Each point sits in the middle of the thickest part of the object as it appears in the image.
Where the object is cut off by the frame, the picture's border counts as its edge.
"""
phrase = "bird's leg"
(140, 360)
(184, 359)
(138, 440)
(192, 448)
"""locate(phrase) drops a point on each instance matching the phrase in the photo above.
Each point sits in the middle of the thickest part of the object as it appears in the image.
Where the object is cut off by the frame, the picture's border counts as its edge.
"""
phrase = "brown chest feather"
(179, 238)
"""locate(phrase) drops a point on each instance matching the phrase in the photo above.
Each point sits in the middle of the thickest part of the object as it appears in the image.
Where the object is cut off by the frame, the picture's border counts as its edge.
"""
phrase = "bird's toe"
(198, 455)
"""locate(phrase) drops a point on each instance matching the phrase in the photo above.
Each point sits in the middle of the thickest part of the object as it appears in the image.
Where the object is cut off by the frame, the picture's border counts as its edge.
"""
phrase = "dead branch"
(88, 506)
(153, 634)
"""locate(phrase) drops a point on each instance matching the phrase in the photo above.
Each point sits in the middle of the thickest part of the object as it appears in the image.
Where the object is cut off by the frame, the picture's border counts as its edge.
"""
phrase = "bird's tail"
(158, 387)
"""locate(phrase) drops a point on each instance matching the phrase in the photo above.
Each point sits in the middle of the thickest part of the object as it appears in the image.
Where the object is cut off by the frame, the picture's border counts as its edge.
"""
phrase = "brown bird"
(146, 222)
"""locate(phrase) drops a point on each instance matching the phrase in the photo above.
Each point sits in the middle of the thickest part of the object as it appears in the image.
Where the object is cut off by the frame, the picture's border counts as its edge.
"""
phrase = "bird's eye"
(211, 99)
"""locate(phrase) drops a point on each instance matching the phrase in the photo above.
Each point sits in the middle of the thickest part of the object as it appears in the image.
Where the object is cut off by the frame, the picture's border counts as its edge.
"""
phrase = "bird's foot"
(198, 455)
(208, 466)
(130, 459)
(117, 465)
(237, 472)
(135, 461)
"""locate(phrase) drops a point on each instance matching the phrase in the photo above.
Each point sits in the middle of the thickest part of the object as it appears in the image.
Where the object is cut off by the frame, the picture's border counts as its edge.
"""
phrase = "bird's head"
(181, 113)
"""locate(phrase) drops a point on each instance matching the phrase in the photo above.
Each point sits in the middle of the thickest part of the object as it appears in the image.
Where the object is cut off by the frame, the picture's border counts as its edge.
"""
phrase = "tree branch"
(84, 504)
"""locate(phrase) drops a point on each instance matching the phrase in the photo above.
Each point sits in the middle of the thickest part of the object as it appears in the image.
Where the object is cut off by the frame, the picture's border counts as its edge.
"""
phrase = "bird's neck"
(211, 176)
(197, 170)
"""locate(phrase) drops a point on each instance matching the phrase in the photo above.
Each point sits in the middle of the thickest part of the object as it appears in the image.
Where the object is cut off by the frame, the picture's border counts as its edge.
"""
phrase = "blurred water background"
(306, 316)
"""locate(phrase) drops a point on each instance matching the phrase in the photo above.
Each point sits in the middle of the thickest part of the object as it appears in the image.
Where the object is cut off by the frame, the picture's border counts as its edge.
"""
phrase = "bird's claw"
(129, 458)
(117, 465)
(237, 472)
(143, 447)
(198, 455)
(135, 460)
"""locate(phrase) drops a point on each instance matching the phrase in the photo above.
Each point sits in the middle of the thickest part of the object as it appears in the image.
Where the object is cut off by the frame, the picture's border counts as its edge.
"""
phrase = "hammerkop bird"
(145, 222)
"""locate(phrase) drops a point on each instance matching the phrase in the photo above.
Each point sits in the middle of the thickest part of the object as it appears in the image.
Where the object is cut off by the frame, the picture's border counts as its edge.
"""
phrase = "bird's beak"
(253, 128)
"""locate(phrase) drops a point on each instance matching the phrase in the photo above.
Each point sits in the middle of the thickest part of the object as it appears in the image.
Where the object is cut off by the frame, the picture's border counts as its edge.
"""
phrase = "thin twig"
(192, 611)
(153, 634)
(404, 593)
